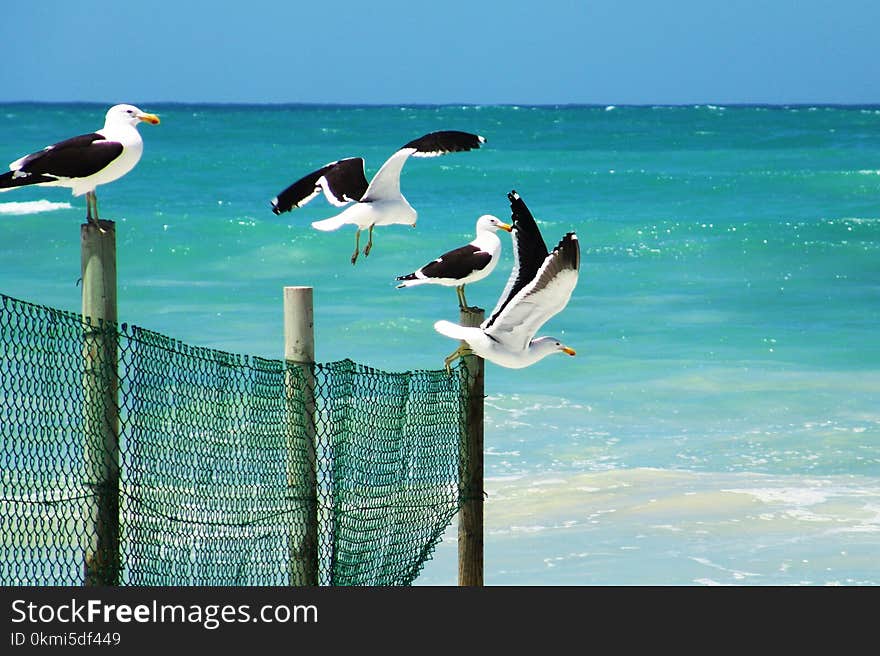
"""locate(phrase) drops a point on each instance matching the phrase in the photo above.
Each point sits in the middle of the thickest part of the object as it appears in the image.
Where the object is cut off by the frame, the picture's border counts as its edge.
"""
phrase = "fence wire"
(131, 457)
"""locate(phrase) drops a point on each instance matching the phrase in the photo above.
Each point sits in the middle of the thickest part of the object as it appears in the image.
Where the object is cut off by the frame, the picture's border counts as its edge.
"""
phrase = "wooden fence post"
(299, 354)
(101, 409)
(470, 517)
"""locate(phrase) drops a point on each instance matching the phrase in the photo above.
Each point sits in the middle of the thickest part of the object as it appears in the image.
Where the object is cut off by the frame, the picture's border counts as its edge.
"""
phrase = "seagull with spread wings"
(539, 287)
(378, 202)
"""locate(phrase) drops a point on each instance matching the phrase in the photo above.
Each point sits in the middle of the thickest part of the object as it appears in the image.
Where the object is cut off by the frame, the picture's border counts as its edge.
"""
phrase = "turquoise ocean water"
(721, 421)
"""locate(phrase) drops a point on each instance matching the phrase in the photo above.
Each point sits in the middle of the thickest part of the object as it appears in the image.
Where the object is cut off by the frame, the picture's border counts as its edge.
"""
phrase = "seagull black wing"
(444, 141)
(454, 265)
(77, 157)
(529, 253)
(12, 179)
(342, 182)
(543, 297)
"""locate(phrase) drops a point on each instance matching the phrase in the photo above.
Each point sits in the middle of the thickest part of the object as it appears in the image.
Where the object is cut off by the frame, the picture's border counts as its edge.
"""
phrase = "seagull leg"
(369, 245)
(461, 351)
(357, 246)
(92, 210)
(89, 207)
(462, 303)
(92, 201)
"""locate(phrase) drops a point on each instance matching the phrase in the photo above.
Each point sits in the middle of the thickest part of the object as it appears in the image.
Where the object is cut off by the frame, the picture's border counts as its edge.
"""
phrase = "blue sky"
(454, 51)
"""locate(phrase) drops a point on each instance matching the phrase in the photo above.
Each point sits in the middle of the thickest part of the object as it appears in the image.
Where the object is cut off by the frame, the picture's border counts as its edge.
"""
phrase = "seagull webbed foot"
(95, 222)
(457, 353)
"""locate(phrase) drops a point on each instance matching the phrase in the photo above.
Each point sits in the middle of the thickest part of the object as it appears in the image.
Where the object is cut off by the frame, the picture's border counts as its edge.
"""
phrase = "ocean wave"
(32, 207)
(852, 219)
(788, 496)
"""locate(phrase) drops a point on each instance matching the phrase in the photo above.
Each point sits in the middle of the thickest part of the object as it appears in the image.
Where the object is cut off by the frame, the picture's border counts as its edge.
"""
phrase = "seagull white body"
(378, 203)
(84, 162)
(499, 353)
(539, 287)
(465, 264)
(119, 126)
(381, 204)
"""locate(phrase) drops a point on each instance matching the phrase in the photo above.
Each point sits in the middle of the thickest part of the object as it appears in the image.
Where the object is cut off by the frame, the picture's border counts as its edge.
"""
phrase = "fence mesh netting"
(229, 469)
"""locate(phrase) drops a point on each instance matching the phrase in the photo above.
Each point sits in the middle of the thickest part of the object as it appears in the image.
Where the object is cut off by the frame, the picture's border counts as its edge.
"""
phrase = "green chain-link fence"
(229, 470)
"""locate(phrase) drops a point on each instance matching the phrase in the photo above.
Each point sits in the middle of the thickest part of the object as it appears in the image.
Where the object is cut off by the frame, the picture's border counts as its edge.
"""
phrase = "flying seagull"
(539, 287)
(465, 264)
(84, 162)
(378, 202)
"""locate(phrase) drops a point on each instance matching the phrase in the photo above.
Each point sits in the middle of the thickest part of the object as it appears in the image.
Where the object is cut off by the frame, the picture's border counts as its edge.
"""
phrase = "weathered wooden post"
(470, 517)
(299, 355)
(100, 400)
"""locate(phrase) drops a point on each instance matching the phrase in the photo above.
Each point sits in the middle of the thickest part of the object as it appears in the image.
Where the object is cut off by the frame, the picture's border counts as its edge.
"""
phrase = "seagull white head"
(541, 347)
(489, 223)
(128, 115)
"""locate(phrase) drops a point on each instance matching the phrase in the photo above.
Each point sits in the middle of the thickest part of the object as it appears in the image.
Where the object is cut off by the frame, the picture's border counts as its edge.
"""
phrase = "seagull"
(465, 264)
(377, 203)
(84, 162)
(540, 286)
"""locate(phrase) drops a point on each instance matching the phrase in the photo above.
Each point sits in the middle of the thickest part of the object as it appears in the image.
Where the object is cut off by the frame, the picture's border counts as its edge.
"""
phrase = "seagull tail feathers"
(450, 329)
(409, 280)
(10, 180)
(327, 225)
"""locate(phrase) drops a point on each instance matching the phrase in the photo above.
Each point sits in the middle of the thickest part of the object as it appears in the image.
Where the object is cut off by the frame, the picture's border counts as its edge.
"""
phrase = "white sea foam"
(786, 495)
(737, 574)
(503, 479)
(492, 451)
(32, 207)
(548, 481)
(533, 528)
(709, 582)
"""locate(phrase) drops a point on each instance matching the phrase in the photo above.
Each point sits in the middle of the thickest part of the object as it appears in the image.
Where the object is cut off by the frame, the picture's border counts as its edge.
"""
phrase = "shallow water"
(720, 422)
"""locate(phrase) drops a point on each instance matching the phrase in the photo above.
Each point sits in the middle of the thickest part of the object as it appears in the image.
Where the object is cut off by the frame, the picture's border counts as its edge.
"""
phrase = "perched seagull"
(84, 162)
(465, 264)
(539, 287)
(377, 203)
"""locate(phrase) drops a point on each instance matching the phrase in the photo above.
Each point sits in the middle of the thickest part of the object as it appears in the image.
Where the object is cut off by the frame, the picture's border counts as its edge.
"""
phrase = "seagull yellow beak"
(152, 119)
(568, 351)
(505, 226)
